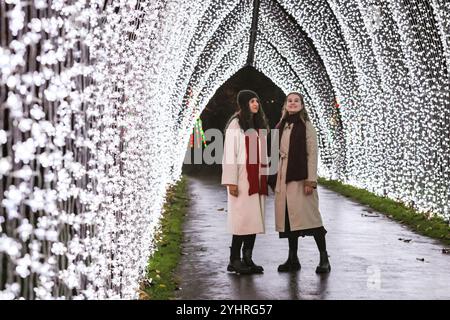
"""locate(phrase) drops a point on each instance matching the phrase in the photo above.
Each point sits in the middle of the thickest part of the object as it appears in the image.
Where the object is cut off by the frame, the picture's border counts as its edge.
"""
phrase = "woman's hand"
(308, 190)
(233, 189)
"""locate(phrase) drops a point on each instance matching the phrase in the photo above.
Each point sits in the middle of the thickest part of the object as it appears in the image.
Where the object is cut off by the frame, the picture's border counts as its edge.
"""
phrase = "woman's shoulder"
(308, 123)
(310, 126)
(279, 124)
(234, 124)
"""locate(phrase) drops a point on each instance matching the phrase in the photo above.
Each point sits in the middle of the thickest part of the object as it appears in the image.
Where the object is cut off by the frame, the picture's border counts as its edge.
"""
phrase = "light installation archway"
(98, 99)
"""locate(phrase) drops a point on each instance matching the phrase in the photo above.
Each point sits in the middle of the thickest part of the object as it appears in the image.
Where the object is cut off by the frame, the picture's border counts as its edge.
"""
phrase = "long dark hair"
(248, 120)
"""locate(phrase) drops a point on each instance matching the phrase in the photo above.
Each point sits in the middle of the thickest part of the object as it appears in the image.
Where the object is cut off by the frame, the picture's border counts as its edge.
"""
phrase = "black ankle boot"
(236, 265)
(291, 264)
(324, 265)
(247, 258)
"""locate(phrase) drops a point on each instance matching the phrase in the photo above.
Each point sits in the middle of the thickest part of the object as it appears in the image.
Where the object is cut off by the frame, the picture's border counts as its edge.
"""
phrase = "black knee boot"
(235, 264)
(292, 263)
(324, 264)
(247, 252)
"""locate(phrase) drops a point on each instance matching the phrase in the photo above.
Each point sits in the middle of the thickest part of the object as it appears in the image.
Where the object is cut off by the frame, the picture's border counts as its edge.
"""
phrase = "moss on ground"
(161, 282)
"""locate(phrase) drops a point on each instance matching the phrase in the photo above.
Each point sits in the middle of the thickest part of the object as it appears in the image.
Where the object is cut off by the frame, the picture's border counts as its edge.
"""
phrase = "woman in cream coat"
(296, 199)
(242, 172)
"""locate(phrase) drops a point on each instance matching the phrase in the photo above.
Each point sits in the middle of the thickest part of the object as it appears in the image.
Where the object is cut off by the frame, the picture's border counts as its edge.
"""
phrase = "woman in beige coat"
(245, 156)
(296, 199)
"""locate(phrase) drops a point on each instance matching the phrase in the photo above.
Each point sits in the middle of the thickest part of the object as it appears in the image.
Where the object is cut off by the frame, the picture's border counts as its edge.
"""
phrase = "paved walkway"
(367, 258)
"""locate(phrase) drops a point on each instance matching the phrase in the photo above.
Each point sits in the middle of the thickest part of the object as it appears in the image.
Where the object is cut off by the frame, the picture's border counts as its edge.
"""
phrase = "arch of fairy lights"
(98, 99)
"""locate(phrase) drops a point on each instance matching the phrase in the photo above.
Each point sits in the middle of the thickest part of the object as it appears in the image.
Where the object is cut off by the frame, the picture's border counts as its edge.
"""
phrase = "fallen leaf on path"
(420, 259)
(221, 209)
(144, 295)
(369, 215)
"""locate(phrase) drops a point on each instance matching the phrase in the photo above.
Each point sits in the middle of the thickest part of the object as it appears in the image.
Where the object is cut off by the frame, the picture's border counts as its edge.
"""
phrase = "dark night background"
(223, 104)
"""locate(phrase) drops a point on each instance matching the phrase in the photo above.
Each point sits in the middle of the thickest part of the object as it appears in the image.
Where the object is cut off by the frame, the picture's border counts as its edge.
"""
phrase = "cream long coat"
(303, 209)
(245, 213)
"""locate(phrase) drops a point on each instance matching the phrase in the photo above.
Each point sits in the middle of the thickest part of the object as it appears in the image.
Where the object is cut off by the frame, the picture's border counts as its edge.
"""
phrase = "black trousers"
(247, 240)
(318, 234)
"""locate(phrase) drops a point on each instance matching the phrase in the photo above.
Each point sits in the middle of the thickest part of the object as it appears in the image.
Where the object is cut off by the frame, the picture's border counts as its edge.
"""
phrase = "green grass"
(161, 282)
(434, 227)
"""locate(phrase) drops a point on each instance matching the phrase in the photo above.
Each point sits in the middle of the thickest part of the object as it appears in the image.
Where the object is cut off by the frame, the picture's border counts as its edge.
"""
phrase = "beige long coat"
(245, 213)
(303, 209)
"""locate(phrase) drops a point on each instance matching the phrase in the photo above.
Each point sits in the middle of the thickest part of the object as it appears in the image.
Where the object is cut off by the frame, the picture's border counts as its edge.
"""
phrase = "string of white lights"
(46, 190)
(395, 87)
(319, 22)
(215, 17)
(229, 64)
(300, 56)
(371, 162)
(421, 45)
(441, 11)
(219, 43)
(369, 33)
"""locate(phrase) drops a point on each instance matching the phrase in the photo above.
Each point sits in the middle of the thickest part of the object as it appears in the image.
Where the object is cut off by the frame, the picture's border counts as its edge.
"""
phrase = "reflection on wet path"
(368, 260)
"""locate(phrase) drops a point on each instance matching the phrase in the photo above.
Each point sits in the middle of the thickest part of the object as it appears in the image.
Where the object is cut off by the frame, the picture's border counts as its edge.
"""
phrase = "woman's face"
(253, 105)
(293, 104)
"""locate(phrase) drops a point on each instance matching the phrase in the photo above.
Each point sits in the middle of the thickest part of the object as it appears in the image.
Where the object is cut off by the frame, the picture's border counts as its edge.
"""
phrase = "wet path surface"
(367, 258)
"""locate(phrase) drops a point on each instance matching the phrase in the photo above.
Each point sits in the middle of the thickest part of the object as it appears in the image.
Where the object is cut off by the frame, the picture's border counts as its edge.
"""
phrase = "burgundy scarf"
(253, 168)
(297, 168)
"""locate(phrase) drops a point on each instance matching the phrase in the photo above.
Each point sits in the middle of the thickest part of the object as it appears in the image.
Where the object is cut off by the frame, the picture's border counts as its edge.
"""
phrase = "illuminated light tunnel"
(98, 99)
